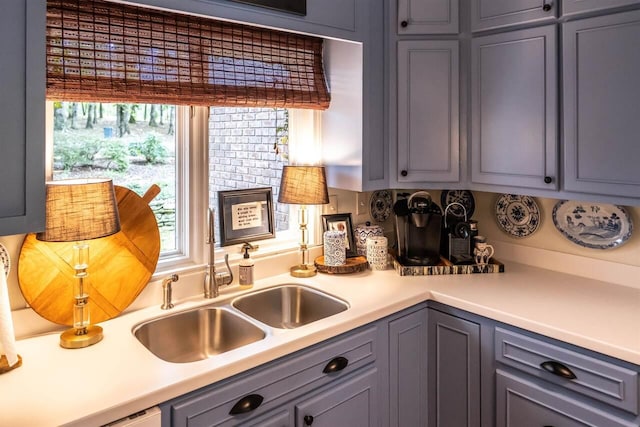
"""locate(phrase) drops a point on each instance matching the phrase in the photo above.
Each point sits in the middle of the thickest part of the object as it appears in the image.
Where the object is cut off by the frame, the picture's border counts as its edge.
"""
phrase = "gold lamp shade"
(80, 209)
(303, 185)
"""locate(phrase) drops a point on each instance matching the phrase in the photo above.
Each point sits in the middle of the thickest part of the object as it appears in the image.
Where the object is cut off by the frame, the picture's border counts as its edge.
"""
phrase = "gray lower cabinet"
(601, 107)
(351, 403)
(454, 389)
(22, 69)
(334, 379)
(523, 402)
(428, 111)
(408, 369)
(489, 14)
(570, 7)
(514, 114)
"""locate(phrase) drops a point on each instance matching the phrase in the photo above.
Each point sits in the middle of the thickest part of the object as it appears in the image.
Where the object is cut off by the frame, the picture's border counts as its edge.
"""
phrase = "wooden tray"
(447, 267)
(353, 265)
(120, 265)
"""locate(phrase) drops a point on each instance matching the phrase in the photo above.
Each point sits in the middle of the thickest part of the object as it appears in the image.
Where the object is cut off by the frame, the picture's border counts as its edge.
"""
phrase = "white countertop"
(118, 376)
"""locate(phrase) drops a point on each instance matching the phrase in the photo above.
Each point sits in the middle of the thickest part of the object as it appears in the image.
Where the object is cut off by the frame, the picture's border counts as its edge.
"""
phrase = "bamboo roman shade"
(111, 52)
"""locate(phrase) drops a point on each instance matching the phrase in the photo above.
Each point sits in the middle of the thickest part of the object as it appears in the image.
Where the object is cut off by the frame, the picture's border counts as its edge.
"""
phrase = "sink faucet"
(212, 279)
(166, 291)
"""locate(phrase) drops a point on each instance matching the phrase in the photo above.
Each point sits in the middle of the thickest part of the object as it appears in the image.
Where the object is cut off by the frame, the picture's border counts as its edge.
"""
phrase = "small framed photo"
(341, 222)
(245, 215)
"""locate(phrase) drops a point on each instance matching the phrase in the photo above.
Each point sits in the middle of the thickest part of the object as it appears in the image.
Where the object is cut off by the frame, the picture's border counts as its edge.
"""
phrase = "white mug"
(483, 252)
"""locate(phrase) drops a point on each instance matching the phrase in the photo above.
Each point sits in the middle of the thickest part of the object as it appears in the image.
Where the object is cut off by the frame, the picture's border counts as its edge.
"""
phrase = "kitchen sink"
(197, 334)
(289, 306)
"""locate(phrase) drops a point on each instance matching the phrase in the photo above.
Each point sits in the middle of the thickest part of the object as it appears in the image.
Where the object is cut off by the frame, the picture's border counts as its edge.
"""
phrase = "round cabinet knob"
(308, 420)
(404, 173)
(548, 180)
(404, 24)
(546, 7)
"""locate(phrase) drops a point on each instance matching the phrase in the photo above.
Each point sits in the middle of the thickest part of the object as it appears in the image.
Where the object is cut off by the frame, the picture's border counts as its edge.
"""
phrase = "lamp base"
(69, 339)
(303, 270)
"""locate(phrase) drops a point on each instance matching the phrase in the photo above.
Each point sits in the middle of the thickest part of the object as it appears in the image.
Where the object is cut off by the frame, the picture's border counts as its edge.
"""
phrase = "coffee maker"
(418, 227)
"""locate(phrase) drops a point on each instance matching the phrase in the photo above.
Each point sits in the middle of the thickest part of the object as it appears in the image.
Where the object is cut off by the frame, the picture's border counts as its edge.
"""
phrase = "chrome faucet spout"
(167, 291)
(212, 279)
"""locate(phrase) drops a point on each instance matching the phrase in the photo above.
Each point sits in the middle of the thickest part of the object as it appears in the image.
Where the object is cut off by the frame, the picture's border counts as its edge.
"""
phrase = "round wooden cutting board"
(120, 265)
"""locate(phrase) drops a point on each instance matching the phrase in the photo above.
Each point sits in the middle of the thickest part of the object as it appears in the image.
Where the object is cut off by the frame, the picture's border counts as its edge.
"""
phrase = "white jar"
(377, 252)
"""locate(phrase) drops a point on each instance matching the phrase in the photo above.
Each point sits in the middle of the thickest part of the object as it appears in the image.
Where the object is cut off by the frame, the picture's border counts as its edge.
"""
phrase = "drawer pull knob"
(557, 368)
(246, 404)
(335, 365)
(404, 173)
(546, 7)
(404, 24)
(548, 180)
(308, 420)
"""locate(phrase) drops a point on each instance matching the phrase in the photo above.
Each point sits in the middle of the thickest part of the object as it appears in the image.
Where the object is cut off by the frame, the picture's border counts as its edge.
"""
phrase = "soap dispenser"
(246, 269)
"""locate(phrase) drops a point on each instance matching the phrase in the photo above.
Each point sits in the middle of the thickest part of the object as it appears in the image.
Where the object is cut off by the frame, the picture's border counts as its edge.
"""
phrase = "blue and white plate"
(464, 197)
(517, 215)
(380, 205)
(592, 225)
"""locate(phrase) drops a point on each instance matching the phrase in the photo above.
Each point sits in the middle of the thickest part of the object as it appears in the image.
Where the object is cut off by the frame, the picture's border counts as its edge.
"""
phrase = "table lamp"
(78, 210)
(303, 185)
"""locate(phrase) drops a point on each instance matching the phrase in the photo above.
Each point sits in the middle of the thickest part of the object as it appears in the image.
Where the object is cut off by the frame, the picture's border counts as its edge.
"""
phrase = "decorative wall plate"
(592, 225)
(518, 216)
(464, 197)
(4, 258)
(380, 205)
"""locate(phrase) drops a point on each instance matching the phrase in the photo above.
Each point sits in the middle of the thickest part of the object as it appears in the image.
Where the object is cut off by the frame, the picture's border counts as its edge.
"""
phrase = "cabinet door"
(428, 131)
(453, 371)
(487, 14)
(514, 109)
(601, 65)
(408, 370)
(22, 69)
(427, 16)
(353, 403)
(524, 403)
(569, 7)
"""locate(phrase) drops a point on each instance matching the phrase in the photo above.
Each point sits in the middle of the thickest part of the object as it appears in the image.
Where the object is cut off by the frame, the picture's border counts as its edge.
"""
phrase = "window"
(138, 145)
(133, 144)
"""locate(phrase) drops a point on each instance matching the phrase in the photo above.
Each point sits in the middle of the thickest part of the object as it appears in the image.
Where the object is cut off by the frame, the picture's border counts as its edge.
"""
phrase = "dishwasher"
(148, 418)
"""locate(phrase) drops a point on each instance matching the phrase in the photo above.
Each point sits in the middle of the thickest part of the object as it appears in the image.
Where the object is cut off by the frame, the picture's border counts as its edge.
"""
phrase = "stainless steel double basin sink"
(203, 332)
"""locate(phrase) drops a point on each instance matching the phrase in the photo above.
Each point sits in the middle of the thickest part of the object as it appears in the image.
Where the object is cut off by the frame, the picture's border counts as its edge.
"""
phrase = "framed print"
(341, 222)
(245, 215)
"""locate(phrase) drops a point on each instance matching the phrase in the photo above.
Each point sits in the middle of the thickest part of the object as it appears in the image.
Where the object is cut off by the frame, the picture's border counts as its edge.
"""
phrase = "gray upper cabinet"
(428, 111)
(427, 16)
(22, 69)
(570, 7)
(488, 14)
(601, 105)
(514, 109)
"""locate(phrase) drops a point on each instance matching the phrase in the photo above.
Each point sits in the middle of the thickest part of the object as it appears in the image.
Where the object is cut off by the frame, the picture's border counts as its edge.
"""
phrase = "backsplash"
(546, 237)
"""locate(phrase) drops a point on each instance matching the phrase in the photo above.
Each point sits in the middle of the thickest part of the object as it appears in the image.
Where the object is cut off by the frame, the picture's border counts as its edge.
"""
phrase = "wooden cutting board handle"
(151, 193)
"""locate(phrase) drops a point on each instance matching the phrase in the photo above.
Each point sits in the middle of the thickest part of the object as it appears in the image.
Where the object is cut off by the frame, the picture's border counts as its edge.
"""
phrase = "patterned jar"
(335, 247)
(377, 252)
(362, 233)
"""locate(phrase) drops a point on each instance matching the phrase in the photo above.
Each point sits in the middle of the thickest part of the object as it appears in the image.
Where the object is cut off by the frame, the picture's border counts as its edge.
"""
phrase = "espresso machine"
(418, 227)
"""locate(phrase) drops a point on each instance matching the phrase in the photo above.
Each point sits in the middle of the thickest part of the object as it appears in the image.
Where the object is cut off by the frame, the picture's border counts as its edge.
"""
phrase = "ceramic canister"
(362, 233)
(335, 247)
(377, 252)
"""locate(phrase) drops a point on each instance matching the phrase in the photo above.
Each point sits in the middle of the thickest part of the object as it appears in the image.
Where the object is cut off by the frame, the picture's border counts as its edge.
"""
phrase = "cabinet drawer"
(524, 403)
(274, 383)
(614, 385)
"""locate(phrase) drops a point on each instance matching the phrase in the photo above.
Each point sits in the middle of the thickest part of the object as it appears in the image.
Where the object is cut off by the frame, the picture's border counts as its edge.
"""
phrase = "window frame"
(192, 192)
